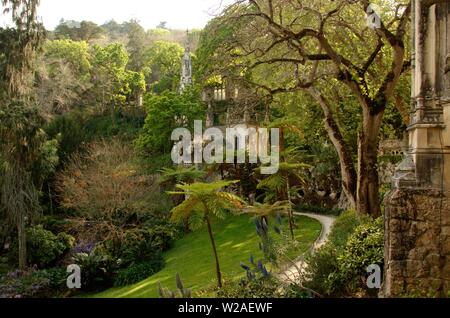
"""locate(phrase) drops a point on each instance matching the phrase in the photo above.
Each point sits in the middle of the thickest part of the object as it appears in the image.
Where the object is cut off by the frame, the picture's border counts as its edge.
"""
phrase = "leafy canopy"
(165, 113)
(181, 174)
(206, 198)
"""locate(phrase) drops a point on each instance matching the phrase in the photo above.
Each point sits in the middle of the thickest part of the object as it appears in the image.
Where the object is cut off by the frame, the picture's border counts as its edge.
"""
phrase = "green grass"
(191, 256)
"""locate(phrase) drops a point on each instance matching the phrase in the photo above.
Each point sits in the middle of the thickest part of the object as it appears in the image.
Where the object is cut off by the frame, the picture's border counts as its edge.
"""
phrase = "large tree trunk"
(216, 257)
(21, 236)
(368, 196)
(348, 171)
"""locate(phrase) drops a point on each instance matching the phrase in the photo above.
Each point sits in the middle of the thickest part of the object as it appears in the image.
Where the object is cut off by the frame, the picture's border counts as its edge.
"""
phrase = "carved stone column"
(417, 215)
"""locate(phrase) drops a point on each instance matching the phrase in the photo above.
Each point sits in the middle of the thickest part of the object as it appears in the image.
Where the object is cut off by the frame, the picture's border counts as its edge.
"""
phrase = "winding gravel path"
(293, 273)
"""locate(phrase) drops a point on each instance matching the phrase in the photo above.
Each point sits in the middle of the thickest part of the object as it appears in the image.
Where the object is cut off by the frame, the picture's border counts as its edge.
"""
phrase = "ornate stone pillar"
(417, 215)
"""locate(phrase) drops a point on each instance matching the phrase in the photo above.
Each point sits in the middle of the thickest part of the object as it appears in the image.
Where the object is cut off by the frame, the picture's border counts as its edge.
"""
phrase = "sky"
(179, 14)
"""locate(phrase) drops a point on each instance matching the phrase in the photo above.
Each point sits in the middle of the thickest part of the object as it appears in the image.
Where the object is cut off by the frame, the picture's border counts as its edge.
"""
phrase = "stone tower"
(417, 215)
(186, 66)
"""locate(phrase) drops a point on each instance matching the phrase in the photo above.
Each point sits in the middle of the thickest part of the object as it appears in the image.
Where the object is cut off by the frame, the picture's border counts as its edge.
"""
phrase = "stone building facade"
(233, 103)
(417, 215)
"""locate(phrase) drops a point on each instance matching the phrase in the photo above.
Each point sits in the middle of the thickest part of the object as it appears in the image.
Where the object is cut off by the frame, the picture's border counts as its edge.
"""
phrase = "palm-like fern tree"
(181, 175)
(266, 210)
(277, 186)
(208, 200)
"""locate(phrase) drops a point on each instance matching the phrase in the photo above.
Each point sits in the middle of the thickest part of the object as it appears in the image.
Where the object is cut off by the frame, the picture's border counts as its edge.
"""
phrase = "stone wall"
(417, 244)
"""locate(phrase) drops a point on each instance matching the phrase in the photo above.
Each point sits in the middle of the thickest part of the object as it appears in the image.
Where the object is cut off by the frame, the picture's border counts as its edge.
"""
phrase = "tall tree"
(78, 31)
(162, 61)
(310, 45)
(110, 76)
(165, 113)
(208, 200)
(63, 74)
(136, 46)
(19, 45)
(20, 133)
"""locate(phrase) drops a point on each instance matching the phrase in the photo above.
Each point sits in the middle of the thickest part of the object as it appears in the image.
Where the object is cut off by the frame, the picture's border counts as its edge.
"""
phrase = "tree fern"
(207, 200)
(277, 186)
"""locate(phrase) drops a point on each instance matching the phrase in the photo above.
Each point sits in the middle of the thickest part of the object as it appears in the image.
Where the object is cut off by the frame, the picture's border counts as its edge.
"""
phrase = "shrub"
(267, 287)
(44, 247)
(70, 132)
(343, 227)
(97, 270)
(338, 267)
(56, 277)
(364, 247)
(153, 164)
(127, 127)
(106, 183)
(34, 284)
(140, 271)
(141, 244)
(4, 266)
(322, 268)
(52, 223)
(259, 283)
(66, 239)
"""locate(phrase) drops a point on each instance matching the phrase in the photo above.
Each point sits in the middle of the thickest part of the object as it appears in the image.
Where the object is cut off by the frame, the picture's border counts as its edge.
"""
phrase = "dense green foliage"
(364, 247)
(98, 270)
(86, 117)
(144, 244)
(138, 272)
(45, 247)
(339, 267)
(343, 227)
(258, 288)
(162, 62)
(83, 31)
(135, 257)
(35, 284)
(165, 113)
(112, 81)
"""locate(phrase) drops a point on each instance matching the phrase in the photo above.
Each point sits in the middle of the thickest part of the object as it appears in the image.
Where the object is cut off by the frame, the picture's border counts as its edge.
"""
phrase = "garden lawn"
(192, 257)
